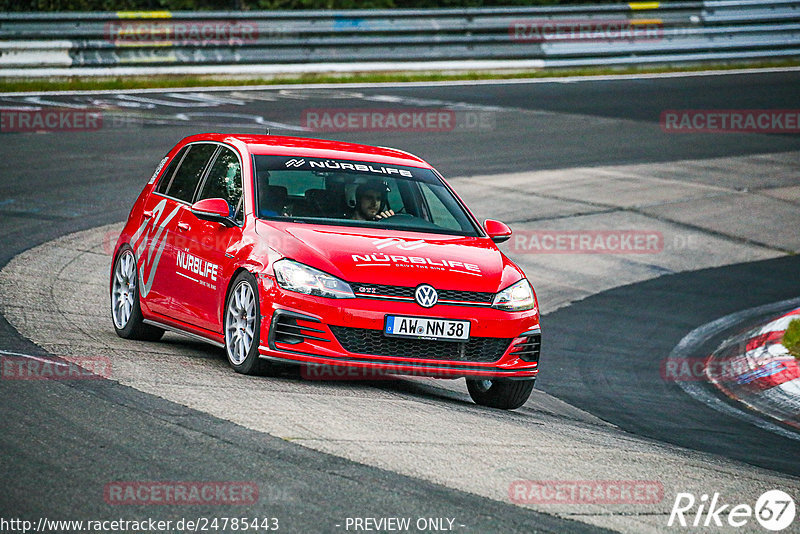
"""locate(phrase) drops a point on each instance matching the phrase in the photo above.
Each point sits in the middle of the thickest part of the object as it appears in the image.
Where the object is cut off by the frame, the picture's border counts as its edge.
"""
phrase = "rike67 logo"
(774, 510)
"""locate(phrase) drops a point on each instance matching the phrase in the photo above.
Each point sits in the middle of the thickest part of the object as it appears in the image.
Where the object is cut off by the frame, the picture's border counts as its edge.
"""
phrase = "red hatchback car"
(304, 251)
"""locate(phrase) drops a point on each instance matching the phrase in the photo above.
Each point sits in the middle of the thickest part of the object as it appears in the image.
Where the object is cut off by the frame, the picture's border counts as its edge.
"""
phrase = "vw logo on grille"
(426, 296)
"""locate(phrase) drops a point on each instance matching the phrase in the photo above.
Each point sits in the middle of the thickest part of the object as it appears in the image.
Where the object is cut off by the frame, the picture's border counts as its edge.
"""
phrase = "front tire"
(243, 326)
(126, 310)
(498, 393)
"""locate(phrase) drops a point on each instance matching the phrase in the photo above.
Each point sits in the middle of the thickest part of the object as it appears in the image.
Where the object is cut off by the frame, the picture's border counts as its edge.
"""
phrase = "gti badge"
(426, 296)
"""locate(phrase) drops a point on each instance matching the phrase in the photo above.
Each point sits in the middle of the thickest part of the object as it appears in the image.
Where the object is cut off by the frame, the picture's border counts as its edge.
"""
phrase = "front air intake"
(285, 328)
(528, 349)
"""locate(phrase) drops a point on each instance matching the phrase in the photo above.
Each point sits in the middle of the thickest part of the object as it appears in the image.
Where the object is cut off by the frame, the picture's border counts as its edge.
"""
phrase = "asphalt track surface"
(623, 382)
(63, 441)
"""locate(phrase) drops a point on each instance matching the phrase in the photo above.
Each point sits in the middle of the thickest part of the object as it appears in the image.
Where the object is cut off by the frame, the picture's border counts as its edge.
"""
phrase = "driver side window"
(224, 181)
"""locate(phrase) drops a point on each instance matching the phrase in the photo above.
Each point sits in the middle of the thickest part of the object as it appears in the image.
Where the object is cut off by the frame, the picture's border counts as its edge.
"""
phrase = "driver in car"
(371, 204)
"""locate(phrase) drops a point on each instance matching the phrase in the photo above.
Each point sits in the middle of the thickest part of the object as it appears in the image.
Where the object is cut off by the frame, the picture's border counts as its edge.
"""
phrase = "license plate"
(426, 328)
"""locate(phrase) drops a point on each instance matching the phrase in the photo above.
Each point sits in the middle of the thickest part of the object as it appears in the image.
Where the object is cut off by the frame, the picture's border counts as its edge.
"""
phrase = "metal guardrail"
(645, 32)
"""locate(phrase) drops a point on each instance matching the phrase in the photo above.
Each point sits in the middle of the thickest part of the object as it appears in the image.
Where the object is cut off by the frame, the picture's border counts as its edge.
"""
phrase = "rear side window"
(225, 181)
(166, 177)
(186, 178)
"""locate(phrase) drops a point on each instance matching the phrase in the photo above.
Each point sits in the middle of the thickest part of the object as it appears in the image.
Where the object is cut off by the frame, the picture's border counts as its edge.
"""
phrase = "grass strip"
(122, 83)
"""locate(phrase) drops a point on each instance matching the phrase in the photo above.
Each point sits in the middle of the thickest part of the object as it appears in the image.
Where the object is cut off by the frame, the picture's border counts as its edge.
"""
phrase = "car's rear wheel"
(126, 311)
(498, 393)
(243, 325)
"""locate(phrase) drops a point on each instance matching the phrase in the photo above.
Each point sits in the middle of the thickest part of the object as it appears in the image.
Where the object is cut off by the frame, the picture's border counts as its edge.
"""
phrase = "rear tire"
(498, 393)
(126, 310)
(243, 327)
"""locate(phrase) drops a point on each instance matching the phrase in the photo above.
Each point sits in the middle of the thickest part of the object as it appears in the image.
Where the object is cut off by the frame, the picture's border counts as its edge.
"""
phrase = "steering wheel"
(398, 212)
(402, 215)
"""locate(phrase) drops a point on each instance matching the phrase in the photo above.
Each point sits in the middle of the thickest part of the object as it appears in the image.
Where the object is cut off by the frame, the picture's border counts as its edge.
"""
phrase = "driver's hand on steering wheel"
(384, 215)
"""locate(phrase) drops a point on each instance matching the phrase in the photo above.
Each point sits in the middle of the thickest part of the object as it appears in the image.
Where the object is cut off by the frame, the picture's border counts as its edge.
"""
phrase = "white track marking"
(31, 357)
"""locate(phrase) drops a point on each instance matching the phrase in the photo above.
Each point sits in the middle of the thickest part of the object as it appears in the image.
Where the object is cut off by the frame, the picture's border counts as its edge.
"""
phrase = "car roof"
(313, 148)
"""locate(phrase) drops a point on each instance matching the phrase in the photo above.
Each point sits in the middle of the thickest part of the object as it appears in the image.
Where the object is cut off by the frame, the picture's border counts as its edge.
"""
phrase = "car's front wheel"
(498, 393)
(243, 325)
(126, 311)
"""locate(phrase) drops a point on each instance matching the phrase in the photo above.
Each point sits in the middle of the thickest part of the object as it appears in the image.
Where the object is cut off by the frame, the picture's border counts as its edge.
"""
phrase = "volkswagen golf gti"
(308, 252)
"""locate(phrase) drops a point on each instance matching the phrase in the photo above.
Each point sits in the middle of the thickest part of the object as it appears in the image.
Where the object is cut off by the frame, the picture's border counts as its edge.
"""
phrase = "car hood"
(399, 258)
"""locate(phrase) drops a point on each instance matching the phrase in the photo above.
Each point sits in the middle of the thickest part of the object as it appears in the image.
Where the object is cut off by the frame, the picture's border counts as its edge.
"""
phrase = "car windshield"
(356, 193)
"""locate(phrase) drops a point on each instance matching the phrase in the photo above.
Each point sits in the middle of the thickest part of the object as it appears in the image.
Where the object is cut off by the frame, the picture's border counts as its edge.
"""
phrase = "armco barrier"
(44, 44)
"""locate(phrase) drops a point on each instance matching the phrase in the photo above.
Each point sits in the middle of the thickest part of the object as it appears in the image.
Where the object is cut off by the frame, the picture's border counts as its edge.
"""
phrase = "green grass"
(791, 339)
(174, 81)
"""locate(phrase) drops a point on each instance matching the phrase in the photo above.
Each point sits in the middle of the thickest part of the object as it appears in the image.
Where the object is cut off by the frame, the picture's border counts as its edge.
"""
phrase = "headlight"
(516, 297)
(295, 276)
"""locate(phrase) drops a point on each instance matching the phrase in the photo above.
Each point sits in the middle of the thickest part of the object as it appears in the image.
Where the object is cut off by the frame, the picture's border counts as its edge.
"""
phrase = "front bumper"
(317, 331)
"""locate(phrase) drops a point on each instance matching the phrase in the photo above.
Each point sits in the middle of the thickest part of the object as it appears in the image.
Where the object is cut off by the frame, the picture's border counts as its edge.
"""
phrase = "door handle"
(183, 227)
(148, 214)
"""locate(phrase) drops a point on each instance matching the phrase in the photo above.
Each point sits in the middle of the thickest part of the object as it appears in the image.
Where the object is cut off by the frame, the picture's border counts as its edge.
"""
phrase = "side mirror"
(214, 210)
(499, 232)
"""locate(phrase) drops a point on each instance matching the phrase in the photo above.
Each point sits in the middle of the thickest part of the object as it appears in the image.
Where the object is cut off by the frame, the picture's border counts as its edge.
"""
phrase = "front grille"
(366, 341)
(380, 290)
(466, 296)
(384, 291)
